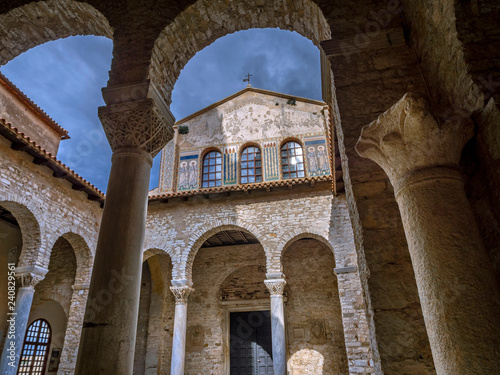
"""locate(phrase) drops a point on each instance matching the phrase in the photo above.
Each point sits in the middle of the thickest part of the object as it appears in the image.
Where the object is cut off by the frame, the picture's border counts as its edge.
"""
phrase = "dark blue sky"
(65, 78)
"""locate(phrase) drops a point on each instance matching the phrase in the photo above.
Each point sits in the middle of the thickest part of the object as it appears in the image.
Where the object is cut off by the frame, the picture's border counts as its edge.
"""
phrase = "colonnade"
(455, 279)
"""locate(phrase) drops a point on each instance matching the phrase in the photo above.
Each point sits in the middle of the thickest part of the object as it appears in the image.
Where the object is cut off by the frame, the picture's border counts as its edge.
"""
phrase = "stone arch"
(39, 22)
(204, 233)
(286, 241)
(205, 21)
(33, 236)
(83, 254)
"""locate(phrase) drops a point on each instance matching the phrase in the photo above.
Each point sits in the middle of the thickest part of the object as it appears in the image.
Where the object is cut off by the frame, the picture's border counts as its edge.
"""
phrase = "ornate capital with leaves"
(29, 279)
(137, 124)
(275, 286)
(181, 293)
(408, 138)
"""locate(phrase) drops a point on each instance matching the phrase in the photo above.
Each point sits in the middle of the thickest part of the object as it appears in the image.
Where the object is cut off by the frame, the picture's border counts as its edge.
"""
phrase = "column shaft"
(110, 323)
(459, 296)
(278, 334)
(12, 353)
(457, 288)
(179, 340)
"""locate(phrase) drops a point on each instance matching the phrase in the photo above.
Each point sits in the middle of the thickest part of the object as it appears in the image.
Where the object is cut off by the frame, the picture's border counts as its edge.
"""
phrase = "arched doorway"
(314, 317)
(228, 307)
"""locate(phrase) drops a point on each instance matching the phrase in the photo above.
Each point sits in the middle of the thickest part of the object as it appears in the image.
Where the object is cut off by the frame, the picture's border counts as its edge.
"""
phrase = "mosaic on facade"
(230, 166)
(316, 151)
(188, 171)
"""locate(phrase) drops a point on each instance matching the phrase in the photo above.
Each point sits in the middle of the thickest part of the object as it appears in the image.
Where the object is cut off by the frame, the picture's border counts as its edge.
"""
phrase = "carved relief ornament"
(276, 286)
(136, 124)
(29, 279)
(181, 293)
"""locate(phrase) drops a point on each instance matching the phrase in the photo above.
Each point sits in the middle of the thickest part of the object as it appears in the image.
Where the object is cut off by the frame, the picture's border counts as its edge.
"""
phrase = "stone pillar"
(73, 330)
(136, 130)
(276, 287)
(456, 284)
(27, 277)
(181, 294)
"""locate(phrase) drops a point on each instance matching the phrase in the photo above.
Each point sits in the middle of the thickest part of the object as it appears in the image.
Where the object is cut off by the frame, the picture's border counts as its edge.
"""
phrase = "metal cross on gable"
(247, 79)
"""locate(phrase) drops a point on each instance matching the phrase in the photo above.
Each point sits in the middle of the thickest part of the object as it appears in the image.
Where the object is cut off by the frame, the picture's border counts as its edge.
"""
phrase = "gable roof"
(21, 96)
(245, 90)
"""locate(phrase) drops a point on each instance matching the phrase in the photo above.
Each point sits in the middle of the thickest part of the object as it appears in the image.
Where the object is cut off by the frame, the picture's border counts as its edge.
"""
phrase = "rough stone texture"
(141, 339)
(455, 45)
(57, 283)
(421, 159)
(314, 318)
(46, 209)
(386, 272)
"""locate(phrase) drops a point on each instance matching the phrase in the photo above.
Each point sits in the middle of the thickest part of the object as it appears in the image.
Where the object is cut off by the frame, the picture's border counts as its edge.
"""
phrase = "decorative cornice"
(136, 124)
(243, 187)
(181, 293)
(275, 286)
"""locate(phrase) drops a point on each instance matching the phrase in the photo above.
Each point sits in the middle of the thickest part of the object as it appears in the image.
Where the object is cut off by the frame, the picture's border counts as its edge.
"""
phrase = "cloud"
(65, 78)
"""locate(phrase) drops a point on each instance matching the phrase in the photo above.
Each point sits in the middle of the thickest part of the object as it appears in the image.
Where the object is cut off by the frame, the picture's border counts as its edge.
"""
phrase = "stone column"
(276, 287)
(181, 294)
(455, 279)
(136, 130)
(73, 330)
(27, 277)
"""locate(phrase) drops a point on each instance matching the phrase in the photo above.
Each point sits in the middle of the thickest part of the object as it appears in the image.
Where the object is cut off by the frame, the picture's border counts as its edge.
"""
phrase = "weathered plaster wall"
(252, 116)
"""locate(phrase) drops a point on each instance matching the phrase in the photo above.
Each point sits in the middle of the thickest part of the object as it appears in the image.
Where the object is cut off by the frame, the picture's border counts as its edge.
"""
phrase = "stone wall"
(58, 281)
(314, 320)
(277, 219)
(52, 207)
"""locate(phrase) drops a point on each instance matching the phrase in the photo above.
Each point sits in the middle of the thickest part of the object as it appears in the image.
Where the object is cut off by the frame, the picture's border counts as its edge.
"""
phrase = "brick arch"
(205, 21)
(28, 217)
(39, 22)
(204, 233)
(287, 241)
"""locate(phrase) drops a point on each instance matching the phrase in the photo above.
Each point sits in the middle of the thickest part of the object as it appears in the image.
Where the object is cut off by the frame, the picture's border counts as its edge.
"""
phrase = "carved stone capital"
(407, 138)
(275, 286)
(29, 276)
(139, 124)
(28, 279)
(181, 293)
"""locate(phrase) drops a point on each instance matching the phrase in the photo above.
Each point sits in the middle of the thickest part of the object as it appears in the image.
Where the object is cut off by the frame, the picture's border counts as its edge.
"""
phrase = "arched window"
(212, 169)
(251, 165)
(35, 349)
(292, 160)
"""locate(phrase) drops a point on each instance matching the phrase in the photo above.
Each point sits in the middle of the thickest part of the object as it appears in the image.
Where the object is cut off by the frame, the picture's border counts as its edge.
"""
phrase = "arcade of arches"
(395, 271)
